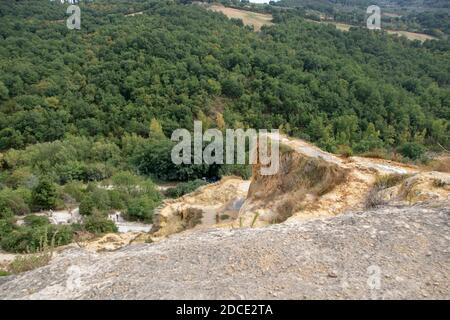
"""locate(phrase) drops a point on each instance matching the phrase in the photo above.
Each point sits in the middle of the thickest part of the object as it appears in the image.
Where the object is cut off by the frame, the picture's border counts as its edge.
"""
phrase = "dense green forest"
(78, 107)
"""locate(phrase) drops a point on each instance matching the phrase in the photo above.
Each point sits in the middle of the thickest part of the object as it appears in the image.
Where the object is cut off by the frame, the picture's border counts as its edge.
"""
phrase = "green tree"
(99, 224)
(412, 150)
(141, 209)
(4, 93)
(370, 140)
(156, 131)
(87, 206)
(44, 195)
(232, 88)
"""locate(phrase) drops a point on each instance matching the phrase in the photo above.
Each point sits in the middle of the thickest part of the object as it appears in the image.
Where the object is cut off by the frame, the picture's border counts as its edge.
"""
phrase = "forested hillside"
(91, 104)
(431, 17)
(177, 63)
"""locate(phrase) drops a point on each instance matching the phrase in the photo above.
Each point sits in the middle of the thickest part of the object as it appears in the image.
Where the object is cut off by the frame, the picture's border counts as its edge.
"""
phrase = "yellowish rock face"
(311, 183)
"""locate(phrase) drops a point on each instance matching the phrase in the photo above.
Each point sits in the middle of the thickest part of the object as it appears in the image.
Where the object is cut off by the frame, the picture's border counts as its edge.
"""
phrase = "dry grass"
(29, 262)
(409, 35)
(439, 183)
(257, 20)
(42, 257)
(389, 180)
(376, 154)
(382, 154)
(339, 25)
(320, 177)
(298, 177)
(392, 15)
(284, 148)
(374, 198)
(287, 208)
(344, 151)
(412, 35)
(342, 26)
(191, 217)
(441, 164)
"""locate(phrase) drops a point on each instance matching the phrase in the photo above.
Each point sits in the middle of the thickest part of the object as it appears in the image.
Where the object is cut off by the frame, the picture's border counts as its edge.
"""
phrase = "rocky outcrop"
(385, 253)
(420, 187)
(209, 205)
(310, 183)
(313, 183)
(300, 181)
(333, 228)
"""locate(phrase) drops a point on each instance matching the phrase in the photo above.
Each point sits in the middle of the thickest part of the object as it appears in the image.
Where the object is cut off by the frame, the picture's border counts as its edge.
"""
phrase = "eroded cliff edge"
(310, 183)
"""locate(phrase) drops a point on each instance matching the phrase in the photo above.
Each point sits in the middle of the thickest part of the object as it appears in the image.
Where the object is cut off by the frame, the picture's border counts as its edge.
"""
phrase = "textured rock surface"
(201, 208)
(322, 258)
(312, 183)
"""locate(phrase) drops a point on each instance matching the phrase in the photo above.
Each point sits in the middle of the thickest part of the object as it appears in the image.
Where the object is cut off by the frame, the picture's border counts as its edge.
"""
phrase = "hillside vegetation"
(430, 17)
(98, 105)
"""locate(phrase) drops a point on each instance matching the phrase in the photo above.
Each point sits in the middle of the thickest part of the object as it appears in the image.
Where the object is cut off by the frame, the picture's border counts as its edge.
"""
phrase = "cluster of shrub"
(37, 232)
(98, 176)
(184, 188)
(136, 197)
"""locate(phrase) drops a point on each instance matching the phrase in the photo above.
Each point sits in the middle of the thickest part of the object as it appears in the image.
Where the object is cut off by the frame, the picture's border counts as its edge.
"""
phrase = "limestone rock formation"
(387, 253)
(209, 205)
(310, 183)
(314, 183)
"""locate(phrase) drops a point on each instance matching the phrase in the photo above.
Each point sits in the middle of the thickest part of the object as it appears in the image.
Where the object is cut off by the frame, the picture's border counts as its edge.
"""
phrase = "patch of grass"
(389, 180)
(257, 20)
(30, 262)
(4, 273)
(284, 148)
(191, 217)
(311, 175)
(383, 154)
(287, 208)
(324, 177)
(99, 224)
(184, 188)
(376, 154)
(438, 183)
(35, 260)
(344, 151)
(254, 219)
(373, 198)
(441, 165)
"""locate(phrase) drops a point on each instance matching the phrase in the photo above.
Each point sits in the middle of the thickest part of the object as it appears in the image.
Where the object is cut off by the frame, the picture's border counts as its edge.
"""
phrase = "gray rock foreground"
(387, 253)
